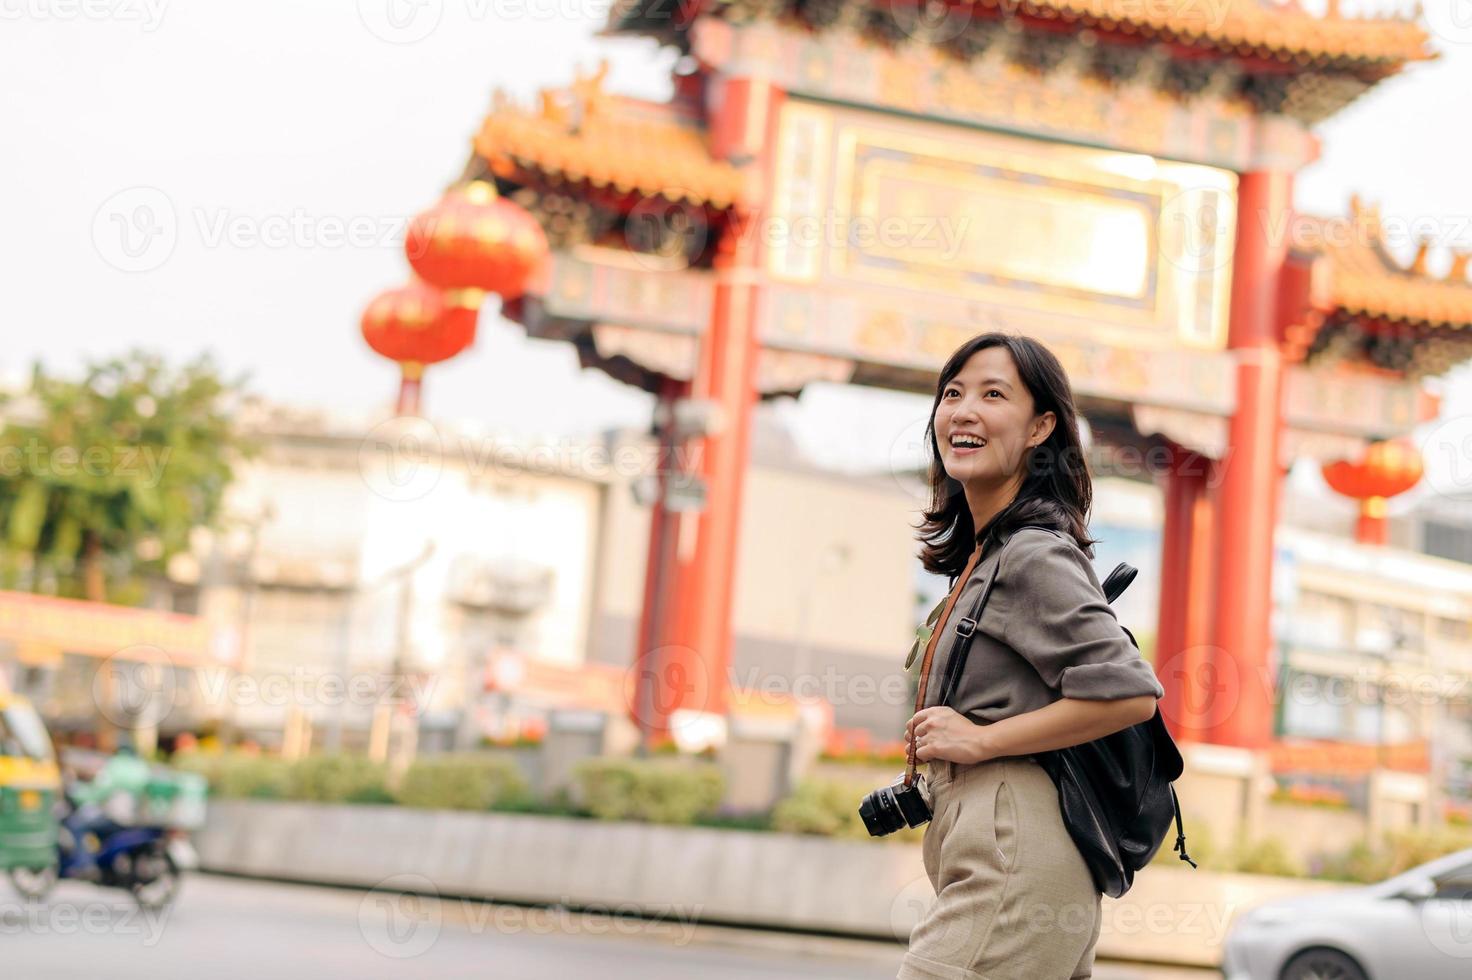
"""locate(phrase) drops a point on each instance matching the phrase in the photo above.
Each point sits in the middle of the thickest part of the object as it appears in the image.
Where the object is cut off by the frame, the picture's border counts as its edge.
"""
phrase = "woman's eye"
(994, 391)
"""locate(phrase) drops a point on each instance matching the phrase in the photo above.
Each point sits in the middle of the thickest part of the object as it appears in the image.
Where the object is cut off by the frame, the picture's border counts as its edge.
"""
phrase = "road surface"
(227, 928)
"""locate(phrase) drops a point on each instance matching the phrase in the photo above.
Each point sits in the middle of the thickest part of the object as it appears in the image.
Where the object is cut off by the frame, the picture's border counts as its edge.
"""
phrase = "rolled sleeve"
(1056, 618)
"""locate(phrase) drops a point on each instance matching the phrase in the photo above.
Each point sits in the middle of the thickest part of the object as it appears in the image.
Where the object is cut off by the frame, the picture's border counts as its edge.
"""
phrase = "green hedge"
(1397, 851)
(830, 808)
(321, 779)
(237, 775)
(339, 779)
(462, 782)
(651, 790)
(1265, 856)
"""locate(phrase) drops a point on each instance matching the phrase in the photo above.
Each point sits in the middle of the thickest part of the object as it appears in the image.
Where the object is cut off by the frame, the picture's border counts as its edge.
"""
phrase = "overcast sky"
(264, 132)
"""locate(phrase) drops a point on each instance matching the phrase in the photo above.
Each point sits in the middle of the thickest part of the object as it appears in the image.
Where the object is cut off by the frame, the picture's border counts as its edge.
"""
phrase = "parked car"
(1414, 926)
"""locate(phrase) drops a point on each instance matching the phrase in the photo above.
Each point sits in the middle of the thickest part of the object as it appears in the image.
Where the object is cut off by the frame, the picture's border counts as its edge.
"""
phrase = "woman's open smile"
(966, 444)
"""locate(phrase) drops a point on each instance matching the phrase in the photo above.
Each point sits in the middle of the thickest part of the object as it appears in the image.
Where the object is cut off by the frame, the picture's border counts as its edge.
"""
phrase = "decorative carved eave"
(1365, 305)
(1279, 59)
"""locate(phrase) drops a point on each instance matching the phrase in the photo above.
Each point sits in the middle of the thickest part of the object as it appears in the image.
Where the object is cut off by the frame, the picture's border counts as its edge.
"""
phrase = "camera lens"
(889, 808)
(880, 813)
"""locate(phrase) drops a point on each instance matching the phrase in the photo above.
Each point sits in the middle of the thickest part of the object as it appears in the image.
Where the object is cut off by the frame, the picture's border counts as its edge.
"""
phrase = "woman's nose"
(965, 412)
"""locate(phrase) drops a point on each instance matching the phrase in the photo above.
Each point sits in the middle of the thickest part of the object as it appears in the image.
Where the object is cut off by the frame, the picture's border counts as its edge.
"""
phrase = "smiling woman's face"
(984, 422)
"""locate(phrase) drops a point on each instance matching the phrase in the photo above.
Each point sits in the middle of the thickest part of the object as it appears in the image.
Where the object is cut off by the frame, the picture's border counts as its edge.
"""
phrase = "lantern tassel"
(1372, 527)
(409, 387)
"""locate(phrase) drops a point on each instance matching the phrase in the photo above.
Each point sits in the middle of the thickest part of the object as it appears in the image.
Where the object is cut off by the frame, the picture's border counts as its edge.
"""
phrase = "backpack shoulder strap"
(966, 627)
(1119, 580)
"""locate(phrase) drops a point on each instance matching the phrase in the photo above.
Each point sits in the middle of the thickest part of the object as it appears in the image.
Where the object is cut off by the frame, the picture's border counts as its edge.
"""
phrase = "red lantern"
(475, 239)
(417, 325)
(1388, 468)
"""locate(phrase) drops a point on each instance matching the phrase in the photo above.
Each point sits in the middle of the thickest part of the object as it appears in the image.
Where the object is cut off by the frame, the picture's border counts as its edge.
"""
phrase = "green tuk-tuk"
(30, 783)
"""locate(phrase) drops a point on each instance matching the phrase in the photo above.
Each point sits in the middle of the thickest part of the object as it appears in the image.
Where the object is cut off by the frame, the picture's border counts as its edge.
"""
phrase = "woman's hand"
(942, 733)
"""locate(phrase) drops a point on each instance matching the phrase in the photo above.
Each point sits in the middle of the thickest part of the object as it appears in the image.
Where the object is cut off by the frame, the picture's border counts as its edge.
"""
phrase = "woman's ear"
(1042, 428)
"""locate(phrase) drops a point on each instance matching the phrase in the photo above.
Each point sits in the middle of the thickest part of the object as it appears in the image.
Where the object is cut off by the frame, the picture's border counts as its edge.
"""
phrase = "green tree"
(102, 480)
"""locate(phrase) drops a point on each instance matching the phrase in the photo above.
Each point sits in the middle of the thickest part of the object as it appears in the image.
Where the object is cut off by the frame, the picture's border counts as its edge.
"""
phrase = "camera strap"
(940, 626)
(965, 629)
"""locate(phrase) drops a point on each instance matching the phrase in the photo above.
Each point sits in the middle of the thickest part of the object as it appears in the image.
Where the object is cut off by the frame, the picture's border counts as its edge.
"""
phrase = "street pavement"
(225, 928)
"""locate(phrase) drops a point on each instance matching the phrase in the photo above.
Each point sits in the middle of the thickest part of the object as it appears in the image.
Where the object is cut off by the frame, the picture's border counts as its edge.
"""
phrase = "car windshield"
(22, 734)
(1461, 875)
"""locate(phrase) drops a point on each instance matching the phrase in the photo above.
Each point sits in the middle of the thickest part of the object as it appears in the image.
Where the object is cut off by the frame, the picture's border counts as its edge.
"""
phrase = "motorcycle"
(101, 845)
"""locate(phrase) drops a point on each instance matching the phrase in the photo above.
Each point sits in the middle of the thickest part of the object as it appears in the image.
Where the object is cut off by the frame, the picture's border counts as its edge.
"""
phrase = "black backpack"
(1115, 792)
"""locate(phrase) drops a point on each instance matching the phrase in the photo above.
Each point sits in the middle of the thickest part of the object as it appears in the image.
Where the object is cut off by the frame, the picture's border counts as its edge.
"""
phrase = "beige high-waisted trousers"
(1014, 899)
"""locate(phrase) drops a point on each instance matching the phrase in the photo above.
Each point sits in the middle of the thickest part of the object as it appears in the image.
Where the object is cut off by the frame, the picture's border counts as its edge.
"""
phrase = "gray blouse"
(1047, 633)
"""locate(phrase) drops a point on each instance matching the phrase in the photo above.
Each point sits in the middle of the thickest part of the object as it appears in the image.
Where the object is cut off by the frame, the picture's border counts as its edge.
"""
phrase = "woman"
(1049, 666)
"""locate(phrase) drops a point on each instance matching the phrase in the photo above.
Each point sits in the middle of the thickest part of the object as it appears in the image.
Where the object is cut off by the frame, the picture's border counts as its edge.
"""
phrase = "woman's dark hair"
(1057, 490)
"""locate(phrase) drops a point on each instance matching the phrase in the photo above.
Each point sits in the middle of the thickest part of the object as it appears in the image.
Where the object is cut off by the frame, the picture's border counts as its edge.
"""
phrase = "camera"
(891, 807)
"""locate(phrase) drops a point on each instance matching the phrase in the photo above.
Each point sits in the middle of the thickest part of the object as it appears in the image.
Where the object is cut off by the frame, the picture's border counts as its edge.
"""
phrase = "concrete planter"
(789, 881)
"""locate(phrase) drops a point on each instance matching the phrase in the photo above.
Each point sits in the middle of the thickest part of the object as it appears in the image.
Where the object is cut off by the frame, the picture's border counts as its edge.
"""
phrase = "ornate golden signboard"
(1062, 241)
(844, 66)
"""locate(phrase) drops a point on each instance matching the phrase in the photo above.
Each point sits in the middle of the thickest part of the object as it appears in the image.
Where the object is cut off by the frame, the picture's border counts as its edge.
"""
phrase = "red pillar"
(742, 125)
(1182, 659)
(649, 692)
(1241, 710)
